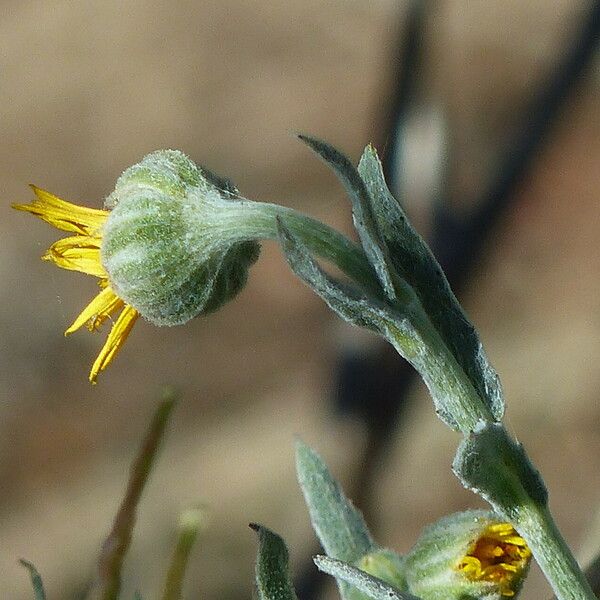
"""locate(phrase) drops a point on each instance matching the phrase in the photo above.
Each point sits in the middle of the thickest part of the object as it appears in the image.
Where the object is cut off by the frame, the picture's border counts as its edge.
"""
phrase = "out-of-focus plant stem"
(190, 523)
(114, 549)
(36, 580)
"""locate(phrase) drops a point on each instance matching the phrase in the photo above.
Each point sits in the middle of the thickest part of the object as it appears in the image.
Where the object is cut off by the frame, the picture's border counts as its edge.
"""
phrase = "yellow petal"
(116, 338)
(97, 311)
(64, 215)
(77, 253)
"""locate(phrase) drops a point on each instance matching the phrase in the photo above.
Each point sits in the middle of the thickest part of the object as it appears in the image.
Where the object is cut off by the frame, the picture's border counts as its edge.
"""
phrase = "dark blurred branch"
(374, 387)
(406, 66)
(360, 385)
(114, 549)
(457, 241)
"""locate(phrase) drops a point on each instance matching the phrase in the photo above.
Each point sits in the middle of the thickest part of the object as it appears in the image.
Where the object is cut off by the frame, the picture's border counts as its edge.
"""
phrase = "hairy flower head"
(169, 246)
(496, 556)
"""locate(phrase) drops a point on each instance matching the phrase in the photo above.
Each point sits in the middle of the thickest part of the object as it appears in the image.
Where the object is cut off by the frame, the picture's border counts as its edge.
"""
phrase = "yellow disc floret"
(499, 555)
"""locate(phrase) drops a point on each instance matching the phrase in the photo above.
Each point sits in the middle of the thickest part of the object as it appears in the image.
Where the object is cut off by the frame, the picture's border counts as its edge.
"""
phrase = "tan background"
(87, 88)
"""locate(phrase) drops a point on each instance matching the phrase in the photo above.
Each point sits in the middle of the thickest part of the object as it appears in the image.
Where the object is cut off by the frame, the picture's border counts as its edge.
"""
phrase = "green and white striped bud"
(467, 556)
(169, 247)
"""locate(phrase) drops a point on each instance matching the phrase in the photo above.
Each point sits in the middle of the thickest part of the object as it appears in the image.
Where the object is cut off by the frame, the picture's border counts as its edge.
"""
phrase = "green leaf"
(405, 327)
(364, 219)
(414, 262)
(273, 579)
(497, 468)
(348, 301)
(418, 314)
(36, 580)
(371, 586)
(339, 526)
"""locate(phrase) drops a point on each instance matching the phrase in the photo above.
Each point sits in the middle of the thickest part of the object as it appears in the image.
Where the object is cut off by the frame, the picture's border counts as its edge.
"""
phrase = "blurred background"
(488, 118)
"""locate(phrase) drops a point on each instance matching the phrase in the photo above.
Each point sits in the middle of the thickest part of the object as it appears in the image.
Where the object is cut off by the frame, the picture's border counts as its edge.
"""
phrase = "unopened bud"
(468, 555)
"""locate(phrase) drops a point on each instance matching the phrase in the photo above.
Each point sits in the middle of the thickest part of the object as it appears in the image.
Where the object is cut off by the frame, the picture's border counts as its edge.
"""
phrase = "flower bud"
(385, 565)
(166, 248)
(467, 555)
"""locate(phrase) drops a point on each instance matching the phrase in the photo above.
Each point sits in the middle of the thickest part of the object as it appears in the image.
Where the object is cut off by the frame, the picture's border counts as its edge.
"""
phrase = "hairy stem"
(249, 220)
(445, 378)
(554, 555)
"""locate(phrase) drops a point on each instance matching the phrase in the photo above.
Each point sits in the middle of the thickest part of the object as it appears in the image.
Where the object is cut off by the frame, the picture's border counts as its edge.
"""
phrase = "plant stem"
(444, 377)
(551, 552)
(249, 220)
(116, 545)
(190, 522)
(592, 574)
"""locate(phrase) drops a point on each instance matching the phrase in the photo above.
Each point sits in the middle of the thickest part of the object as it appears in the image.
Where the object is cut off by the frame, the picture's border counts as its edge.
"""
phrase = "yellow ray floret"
(102, 307)
(81, 252)
(64, 215)
(116, 338)
(77, 253)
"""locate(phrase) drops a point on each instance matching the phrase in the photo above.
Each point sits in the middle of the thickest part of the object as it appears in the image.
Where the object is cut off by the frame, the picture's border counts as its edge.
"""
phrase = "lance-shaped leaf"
(347, 300)
(405, 327)
(497, 468)
(370, 586)
(362, 213)
(339, 526)
(414, 262)
(36, 580)
(273, 579)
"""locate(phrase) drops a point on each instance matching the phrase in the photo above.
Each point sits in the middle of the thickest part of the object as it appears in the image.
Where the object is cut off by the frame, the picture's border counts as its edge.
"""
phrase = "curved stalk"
(250, 220)
(554, 555)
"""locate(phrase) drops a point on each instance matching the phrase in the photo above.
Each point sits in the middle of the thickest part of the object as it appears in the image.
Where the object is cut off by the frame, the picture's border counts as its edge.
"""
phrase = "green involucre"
(163, 248)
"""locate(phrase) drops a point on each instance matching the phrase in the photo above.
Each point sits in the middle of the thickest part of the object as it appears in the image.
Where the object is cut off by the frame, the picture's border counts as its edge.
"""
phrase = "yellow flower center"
(499, 556)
